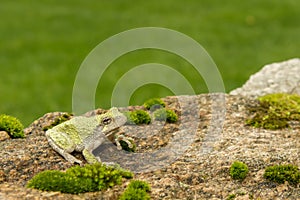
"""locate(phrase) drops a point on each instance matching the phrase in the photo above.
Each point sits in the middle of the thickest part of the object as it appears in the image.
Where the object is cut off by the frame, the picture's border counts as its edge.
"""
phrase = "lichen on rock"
(281, 77)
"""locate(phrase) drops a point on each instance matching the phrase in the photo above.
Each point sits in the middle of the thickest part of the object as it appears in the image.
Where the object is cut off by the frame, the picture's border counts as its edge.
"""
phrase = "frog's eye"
(106, 120)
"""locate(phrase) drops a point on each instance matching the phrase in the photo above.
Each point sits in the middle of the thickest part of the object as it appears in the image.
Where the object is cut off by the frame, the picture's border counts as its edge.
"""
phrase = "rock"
(282, 77)
(192, 175)
(39, 125)
(4, 135)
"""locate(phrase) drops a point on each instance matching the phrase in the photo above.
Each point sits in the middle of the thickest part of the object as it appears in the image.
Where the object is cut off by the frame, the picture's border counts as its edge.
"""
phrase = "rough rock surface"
(201, 171)
(283, 77)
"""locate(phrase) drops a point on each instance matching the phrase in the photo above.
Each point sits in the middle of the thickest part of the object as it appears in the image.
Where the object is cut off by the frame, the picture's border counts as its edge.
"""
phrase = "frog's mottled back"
(78, 128)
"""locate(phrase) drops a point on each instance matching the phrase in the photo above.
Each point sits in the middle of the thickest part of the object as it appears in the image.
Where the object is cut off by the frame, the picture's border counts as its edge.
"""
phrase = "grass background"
(42, 44)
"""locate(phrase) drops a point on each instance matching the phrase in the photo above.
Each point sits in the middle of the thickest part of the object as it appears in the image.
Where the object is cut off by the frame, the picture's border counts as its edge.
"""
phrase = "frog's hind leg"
(62, 144)
(89, 157)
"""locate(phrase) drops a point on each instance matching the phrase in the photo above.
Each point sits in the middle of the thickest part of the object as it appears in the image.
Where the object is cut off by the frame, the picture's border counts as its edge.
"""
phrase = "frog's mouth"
(111, 134)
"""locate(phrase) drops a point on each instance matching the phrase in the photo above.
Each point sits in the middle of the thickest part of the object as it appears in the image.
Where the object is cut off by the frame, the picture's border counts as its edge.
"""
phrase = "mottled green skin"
(77, 129)
(78, 134)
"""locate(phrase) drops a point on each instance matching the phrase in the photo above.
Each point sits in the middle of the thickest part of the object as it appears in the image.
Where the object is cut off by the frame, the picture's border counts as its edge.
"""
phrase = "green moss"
(127, 115)
(238, 170)
(103, 176)
(53, 180)
(141, 185)
(89, 178)
(12, 126)
(133, 194)
(136, 190)
(274, 111)
(138, 117)
(165, 115)
(154, 103)
(282, 173)
(231, 196)
(58, 120)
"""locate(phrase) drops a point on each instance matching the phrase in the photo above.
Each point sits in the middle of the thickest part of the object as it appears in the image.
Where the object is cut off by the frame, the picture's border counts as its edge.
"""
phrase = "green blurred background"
(42, 44)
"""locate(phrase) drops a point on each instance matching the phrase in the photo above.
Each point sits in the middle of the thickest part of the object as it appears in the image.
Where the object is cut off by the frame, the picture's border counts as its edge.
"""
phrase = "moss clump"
(136, 190)
(125, 146)
(231, 196)
(274, 111)
(12, 126)
(282, 173)
(75, 180)
(58, 120)
(127, 115)
(138, 117)
(238, 170)
(53, 180)
(154, 103)
(165, 115)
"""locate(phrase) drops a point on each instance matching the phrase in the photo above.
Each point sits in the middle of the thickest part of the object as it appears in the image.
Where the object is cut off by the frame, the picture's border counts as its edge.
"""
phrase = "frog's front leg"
(119, 138)
(91, 143)
(90, 157)
(62, 144)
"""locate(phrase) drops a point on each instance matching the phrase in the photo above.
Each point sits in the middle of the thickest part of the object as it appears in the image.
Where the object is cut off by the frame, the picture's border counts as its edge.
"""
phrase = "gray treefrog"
(80, 134)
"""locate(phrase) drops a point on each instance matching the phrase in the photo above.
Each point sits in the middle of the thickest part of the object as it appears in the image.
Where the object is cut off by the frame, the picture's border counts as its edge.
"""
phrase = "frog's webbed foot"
(72, 159)
(111, 164)
(125, 139)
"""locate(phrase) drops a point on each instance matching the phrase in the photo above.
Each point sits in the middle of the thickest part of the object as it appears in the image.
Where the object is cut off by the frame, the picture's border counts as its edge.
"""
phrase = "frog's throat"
(111, 134)
(113, 131)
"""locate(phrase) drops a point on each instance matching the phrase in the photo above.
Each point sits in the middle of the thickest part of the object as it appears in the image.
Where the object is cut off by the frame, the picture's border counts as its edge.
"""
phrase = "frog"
(82, 134)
